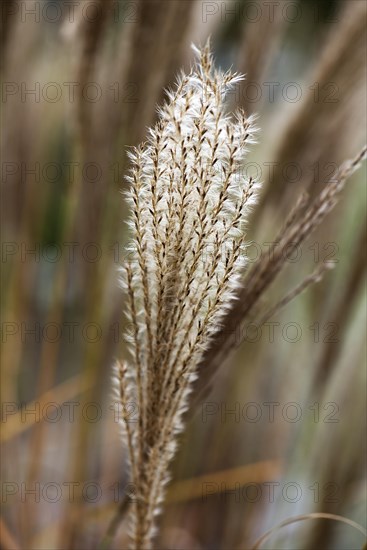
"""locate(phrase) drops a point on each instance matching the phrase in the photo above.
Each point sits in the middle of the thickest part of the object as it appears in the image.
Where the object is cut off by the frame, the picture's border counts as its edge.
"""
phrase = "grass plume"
(189, 201)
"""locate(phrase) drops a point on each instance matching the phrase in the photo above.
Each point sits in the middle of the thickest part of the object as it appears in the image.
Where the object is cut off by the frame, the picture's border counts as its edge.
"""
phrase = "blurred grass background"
(79, 87)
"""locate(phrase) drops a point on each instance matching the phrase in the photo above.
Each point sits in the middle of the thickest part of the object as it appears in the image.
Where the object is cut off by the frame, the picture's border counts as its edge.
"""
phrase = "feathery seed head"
(189, 200)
